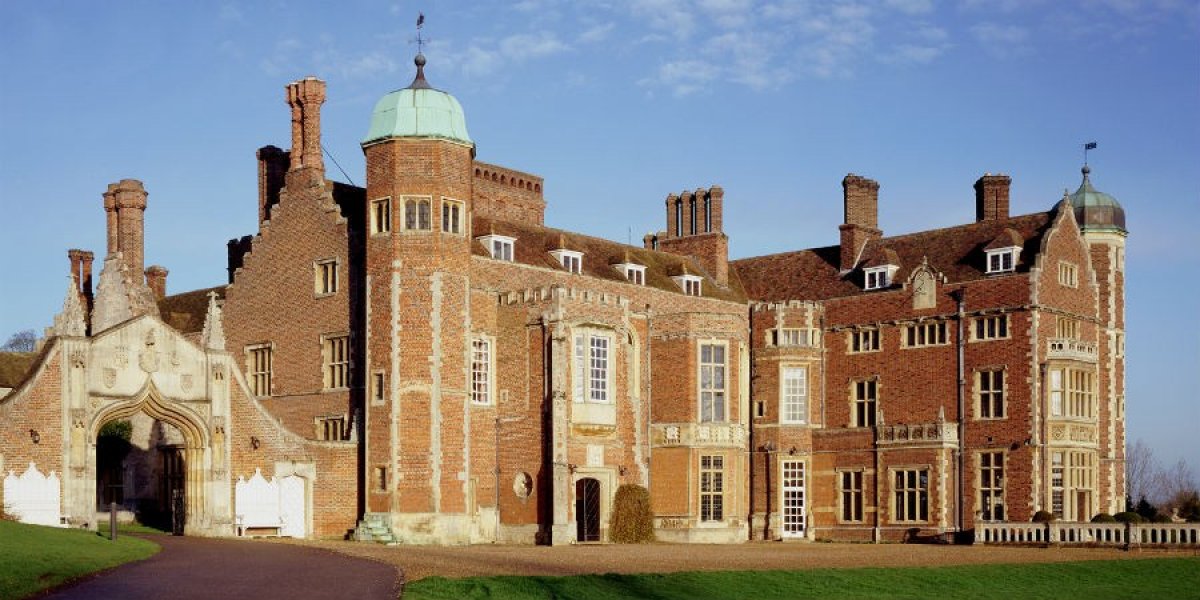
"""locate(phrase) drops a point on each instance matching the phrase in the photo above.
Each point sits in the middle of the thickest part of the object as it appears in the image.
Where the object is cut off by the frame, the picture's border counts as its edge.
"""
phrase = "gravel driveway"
(464, 561)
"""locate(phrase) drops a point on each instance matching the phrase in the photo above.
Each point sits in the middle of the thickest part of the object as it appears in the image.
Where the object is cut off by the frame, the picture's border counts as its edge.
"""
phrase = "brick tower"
(419, 162)
(1102, 221)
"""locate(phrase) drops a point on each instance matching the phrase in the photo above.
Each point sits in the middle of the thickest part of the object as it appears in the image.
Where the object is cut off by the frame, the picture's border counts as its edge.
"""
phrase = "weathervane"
(420, 40)
(1086, 147)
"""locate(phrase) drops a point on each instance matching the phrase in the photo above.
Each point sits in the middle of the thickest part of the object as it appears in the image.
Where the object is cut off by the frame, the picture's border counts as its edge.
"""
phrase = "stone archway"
(195, 450)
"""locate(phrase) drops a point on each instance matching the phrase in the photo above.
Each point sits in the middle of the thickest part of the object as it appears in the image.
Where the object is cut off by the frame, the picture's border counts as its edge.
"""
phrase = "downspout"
(960, 295)
(648, 395)
(751, 442)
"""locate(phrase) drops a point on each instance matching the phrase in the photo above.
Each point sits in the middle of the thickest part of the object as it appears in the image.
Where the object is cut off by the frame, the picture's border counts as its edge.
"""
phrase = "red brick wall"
(38, 407)
(508, 195)
(273, 300)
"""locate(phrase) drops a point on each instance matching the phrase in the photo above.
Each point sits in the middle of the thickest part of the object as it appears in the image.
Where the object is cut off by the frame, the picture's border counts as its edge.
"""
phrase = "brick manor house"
(425, 359)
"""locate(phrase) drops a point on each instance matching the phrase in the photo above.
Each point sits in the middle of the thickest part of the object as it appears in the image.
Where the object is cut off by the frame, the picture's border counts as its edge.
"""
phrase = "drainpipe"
(960, 296)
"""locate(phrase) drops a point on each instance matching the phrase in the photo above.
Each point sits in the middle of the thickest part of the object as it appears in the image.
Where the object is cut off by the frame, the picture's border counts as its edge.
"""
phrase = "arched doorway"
(587, 510)
(141, 469)
(149, 459)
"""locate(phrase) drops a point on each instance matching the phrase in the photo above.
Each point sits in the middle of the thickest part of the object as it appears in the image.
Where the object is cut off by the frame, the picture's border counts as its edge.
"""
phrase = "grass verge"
(1148, 578)
(34, 558)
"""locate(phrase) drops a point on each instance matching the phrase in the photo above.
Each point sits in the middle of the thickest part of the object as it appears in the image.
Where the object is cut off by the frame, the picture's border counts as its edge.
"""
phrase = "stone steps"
(375, 527)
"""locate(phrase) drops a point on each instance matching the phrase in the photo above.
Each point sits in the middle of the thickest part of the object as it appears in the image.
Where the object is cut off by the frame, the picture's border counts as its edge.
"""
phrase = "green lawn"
(34, 558)
(1143, 579)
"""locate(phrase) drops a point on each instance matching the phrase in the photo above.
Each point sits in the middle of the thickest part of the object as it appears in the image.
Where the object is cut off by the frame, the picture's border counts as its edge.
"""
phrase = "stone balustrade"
(1095, 534)
(732, 435)
(940, 433)
(1071, 349)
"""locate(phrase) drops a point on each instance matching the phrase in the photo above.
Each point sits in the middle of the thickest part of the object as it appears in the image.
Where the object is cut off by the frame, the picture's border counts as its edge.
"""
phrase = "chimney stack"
(991, 197)
(861, 205)
(81, 268)
(125, 205)
(694, 229)
(305, 97)
(272, 166)
(156, 279)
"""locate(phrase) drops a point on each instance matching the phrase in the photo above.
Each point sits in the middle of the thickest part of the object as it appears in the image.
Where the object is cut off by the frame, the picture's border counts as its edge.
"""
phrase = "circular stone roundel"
(522, 485)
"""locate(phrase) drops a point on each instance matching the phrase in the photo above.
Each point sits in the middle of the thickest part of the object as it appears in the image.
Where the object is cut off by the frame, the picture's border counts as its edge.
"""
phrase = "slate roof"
(14, 366)
(956, 252)
(186, 312)
(534, 244)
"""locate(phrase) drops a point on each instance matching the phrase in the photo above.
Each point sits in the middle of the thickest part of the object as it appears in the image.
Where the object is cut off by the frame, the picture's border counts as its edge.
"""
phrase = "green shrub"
(632, 519)
(1104, 518)
(1160, 518)
(1129, 517)
(1043, 516)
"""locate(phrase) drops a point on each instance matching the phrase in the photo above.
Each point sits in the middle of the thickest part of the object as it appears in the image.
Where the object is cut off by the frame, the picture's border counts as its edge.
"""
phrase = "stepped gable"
(956, 252)
(185, 312)
(534, 243)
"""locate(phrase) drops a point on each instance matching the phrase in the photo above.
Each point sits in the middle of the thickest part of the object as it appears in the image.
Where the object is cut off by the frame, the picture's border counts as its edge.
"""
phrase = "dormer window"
(1002, 260)
(499, 246)
(634, 273)
(690, 284)
(570, 260)
(878, 278)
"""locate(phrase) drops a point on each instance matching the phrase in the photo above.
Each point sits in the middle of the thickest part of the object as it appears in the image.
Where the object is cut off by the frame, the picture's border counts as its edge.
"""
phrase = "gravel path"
(418, 562)
(205, 568)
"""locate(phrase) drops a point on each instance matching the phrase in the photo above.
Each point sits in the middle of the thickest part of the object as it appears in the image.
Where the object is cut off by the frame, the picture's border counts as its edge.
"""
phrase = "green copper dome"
(418, 111)
(1095, 210)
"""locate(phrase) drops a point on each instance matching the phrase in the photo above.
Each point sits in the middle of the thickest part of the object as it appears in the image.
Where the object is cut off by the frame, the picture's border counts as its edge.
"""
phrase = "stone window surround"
(862, 340)
(328, 345)
(381, 226)
(977, 392)
(996, 490)
(869, 399)
(921, 502)
(856, 491)
(723, 390)
(804, 394)
(489, 370)
(448, 216)
(253, 374)
(414, 203)
(986, 328)
(323, 286)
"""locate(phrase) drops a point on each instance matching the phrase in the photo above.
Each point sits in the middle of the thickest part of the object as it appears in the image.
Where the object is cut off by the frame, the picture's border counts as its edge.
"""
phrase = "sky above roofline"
(618, 103)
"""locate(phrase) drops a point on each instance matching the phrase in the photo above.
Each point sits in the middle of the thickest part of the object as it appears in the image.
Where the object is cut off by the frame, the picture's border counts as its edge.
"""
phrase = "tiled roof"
(534, 244)
(956, 252)
(14, 366)
(186, 312)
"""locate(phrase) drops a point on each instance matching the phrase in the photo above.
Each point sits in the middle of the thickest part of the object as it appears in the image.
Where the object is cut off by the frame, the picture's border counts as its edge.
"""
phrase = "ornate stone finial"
(112, 296)
(941, 414)
(72, 320)
(213, 335)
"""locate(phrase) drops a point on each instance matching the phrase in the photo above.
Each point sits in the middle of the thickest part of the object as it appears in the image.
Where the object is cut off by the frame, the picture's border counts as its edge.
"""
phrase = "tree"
(1143, 476)
(21, 341)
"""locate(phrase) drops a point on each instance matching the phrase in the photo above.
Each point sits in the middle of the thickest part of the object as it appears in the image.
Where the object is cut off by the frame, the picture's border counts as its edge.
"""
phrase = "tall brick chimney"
(861, 198)
(306, 97)
(81, 268)
(991, 197)
(694, 229)
(156, 278)
(272, 166)
(125, 205)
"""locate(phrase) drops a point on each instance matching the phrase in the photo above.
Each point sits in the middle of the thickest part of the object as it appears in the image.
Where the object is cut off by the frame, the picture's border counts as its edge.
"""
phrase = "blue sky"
(618, 103)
